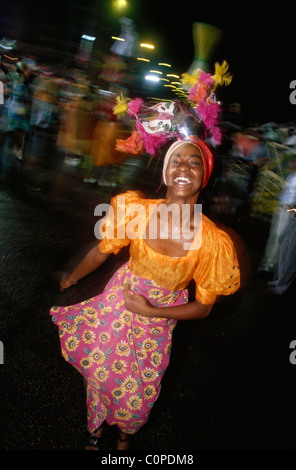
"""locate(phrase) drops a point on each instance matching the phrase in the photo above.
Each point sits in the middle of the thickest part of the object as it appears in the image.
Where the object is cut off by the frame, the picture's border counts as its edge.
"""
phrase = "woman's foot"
(93, 442)
(123, 441)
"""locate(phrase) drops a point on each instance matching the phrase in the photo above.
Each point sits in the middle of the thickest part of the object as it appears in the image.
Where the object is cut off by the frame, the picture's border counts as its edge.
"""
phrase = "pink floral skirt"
(122, 355)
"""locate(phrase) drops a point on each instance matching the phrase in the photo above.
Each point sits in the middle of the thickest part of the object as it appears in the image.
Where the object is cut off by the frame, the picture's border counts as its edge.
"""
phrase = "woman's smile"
(182, 180)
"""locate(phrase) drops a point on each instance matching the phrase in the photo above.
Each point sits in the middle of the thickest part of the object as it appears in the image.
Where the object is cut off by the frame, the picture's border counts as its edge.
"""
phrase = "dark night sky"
(257, 43)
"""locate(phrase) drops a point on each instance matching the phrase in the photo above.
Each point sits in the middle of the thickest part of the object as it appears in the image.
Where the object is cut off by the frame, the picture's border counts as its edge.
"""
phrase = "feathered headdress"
(158, 124)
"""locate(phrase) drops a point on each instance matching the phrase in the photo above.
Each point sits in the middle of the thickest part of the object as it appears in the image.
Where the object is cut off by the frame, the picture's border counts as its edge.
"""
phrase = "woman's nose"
(183, 166)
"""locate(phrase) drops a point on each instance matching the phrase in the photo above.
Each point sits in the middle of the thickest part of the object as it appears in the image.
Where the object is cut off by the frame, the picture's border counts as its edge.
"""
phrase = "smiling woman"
(139, 308)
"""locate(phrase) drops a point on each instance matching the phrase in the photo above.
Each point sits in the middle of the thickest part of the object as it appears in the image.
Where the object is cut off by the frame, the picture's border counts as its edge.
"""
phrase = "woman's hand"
(137, 303)
(66, 282)
(140, 305)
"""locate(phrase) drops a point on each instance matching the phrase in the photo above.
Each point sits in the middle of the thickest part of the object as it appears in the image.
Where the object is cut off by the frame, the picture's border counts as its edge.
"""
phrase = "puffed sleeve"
(113, 233)
(217, 272)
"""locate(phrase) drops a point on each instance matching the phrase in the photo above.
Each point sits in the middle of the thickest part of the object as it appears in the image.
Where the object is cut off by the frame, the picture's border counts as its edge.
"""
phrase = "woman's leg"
(94, 438)
(123, 440)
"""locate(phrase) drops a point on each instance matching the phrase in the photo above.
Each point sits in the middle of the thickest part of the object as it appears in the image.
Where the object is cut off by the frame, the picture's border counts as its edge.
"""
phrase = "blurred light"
(152, 78)
(164, 79)
(8, 48)
(148, 46)
(163, 63)
(155, 71)
(172, 75)
(8, 44)
(144, 60)
(117, 39)
(11, 58)
(154, 98)
(184, 131)
(105, 92)
(175, 83)
(120, 4)
(171, 86)
(88, 38)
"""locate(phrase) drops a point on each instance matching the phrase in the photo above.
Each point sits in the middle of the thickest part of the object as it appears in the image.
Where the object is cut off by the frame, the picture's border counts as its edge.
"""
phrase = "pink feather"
(134, 106)
(209, 113)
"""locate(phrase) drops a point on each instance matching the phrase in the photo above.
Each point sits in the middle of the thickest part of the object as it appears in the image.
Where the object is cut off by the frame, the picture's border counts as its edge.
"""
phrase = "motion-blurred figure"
(251, 149)
(103, 156)
(285, 269)
(19, 110)
(279, 222)
(77, 124)
(128, 46)
(44, 101)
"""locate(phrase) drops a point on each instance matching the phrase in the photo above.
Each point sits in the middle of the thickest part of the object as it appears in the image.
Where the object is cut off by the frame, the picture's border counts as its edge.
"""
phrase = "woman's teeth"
(182, 180)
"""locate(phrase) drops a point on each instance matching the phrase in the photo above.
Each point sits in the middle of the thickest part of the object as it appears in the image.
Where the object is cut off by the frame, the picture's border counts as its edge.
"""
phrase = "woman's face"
(184, 174)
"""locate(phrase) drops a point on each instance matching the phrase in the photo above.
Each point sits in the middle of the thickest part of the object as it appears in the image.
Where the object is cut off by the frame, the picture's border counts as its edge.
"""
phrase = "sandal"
(92, 443)
(94, 440)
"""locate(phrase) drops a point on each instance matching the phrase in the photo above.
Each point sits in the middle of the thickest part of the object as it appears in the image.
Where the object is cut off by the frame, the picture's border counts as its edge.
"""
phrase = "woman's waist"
(163, 277)
(160, 294)
(157, 293)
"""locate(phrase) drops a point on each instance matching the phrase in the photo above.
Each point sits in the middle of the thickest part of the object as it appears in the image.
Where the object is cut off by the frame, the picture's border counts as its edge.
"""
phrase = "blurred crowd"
(253, 164)
(256, 180)
(67, 105)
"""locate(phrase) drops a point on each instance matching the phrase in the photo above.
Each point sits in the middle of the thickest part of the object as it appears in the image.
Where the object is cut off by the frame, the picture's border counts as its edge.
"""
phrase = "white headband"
(168, 156)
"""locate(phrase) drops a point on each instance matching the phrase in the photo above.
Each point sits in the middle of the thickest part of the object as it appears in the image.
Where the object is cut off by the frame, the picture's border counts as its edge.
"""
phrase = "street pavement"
(230, 384)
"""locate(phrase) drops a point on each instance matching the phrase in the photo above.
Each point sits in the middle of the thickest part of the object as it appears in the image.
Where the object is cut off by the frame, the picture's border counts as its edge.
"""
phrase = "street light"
(152, 78)
(120, 4)
(88, 38)
(117, 39)
(155, 71)
(147, 46)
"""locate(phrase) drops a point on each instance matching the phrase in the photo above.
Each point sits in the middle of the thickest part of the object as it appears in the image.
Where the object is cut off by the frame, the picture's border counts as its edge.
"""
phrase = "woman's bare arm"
(92, 260)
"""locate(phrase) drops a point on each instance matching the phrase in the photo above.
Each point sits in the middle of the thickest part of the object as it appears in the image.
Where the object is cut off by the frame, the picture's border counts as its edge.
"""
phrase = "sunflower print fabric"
(122, 356)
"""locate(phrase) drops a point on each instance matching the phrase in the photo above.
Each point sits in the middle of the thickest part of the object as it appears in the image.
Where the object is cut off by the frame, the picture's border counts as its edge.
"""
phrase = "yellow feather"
(121, 107)
(222, 76)
(188, 79)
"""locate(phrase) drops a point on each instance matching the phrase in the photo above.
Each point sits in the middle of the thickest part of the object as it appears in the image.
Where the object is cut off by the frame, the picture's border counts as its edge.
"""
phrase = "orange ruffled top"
(213, 266)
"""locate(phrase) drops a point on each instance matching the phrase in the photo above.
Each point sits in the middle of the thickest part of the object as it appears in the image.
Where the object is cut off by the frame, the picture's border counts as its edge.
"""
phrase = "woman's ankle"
(123, 441)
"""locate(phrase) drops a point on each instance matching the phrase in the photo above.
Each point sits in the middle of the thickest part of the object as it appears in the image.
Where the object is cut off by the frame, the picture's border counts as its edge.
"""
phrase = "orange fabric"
(102, 148)
(77, 124)
(45, 89)
(214, 266)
